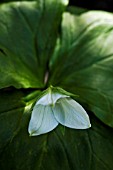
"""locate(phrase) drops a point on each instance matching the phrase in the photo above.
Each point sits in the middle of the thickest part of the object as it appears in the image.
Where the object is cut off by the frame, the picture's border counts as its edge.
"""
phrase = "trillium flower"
(56, 107)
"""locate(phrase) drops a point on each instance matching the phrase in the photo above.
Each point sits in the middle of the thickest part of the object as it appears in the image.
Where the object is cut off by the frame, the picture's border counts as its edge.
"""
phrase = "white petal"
(57, 96)
(71, 114)
(50, 98)
(42, 120)
(45, 100)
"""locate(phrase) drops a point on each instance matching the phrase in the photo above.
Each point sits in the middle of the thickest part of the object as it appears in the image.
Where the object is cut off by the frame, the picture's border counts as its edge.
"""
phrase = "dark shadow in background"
(89, 4)
(94, 4)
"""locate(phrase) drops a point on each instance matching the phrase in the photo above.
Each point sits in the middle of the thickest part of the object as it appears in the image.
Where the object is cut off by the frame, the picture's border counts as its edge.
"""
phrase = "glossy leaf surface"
(27, 41)
(85, 52)
(71, 149)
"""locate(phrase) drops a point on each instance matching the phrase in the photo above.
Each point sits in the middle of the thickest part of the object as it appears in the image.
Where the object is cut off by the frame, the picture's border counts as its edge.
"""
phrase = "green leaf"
(27, 41)
(83, 61)
(81, 64)
(13, 104)
(11, 109)
(72, 149)
(75, 149)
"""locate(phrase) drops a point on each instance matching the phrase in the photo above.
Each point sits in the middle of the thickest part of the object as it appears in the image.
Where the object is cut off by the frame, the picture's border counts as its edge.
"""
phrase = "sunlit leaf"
(83, 61)
(27, 41)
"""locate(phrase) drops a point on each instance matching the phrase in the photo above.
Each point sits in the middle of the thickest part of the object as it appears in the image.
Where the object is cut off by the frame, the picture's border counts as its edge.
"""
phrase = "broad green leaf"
(81, 64)
(13, 104)
(75, 149)
(28, 32)
(83, 61)
(70, 149)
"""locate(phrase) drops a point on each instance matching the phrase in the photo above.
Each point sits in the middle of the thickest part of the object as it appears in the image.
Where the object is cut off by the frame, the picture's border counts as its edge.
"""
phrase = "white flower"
(55, 107)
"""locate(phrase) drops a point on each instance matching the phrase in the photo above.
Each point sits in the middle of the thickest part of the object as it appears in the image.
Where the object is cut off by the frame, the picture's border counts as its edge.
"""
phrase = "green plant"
(75, 51)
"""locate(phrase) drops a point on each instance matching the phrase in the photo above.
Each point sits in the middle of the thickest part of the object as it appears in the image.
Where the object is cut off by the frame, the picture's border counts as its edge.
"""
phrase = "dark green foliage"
(75, 48)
